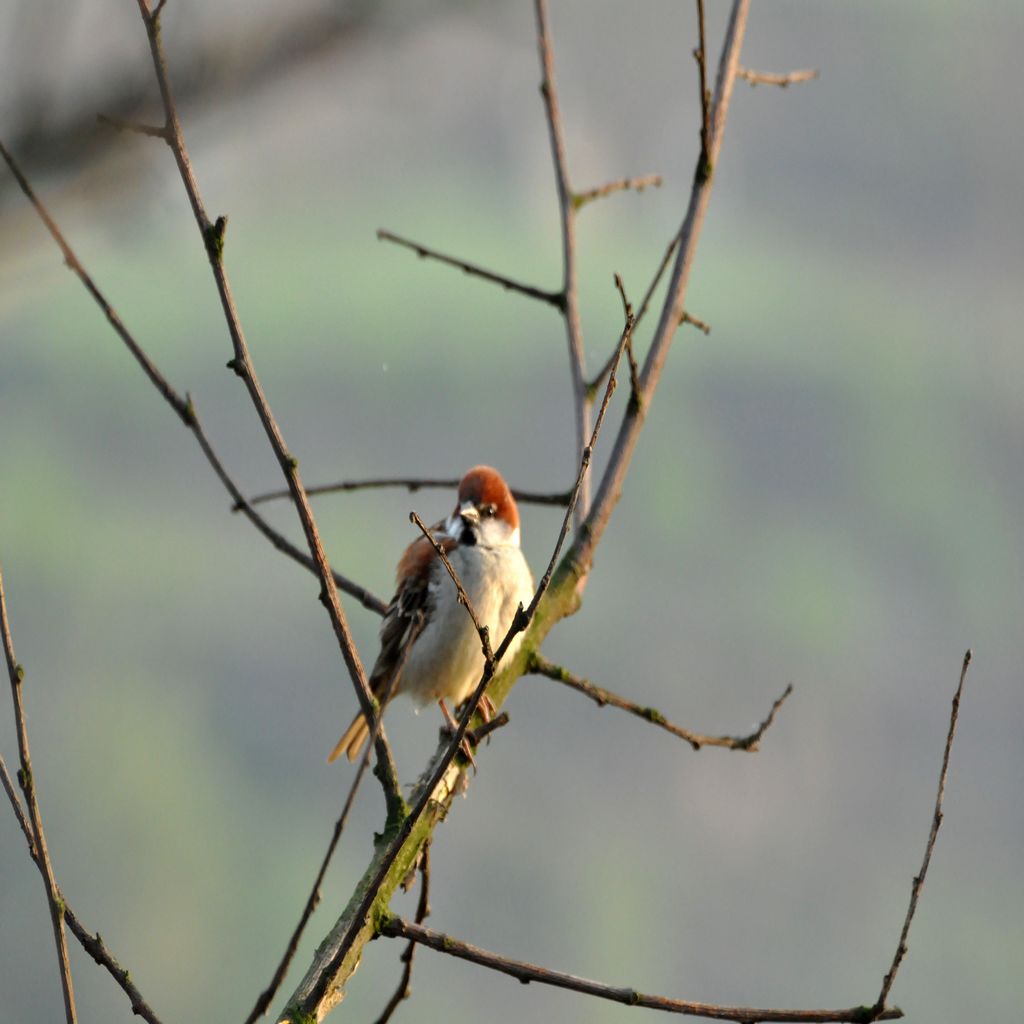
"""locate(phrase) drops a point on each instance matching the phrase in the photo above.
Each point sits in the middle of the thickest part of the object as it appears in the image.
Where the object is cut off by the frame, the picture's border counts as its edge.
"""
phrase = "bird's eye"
(489, 511)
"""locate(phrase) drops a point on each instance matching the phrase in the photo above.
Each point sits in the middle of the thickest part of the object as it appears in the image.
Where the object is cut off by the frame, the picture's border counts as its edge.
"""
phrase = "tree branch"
(395, 927)
(28, 786)
(580, 558)
(555, 299)
(539, 665)
(567, 208)
(482, 631)
(767, 78)
(92, 944)
(411, 484)
(581, 199)
(183, 407)
(918, 883)
(213, 239)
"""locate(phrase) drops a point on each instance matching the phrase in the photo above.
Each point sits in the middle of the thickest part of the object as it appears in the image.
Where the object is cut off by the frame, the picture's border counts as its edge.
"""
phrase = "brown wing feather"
(412, 596)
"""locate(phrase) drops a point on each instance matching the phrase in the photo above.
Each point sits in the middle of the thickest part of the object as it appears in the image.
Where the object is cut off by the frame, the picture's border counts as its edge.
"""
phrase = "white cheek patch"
(514, 537)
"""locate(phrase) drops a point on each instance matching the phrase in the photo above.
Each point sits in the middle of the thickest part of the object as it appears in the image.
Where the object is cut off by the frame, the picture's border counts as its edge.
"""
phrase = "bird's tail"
(351, 742)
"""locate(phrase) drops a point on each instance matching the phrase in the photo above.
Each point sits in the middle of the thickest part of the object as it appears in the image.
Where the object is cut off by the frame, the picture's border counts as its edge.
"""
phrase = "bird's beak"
(469, 512)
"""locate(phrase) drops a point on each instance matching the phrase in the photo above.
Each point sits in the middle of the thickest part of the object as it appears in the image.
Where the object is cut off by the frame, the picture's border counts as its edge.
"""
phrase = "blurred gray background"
(827, 492)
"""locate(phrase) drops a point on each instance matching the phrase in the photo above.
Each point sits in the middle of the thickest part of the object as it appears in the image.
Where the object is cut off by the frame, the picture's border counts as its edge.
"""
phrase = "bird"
(445, 661)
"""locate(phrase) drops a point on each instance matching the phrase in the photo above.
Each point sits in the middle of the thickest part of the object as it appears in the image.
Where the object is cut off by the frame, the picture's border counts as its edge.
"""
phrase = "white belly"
(447, 660)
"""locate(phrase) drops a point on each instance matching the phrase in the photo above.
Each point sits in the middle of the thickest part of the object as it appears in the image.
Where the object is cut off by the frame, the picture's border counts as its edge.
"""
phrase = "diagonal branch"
(918, 884)
(482, 631)
(396, 927)
(213, 239)
(92, 944)
(183, 407)
(28, 785)
(555, 299)
(567, 208)
(539, 665)
(411, 484)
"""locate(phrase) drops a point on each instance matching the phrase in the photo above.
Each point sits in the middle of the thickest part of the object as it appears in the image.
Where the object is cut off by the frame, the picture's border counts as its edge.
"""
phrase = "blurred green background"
(828, 492)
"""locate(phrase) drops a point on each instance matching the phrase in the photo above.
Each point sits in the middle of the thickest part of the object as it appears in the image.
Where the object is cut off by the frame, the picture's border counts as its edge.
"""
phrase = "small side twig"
(918, 883)
(482, 630)
(135, 127)
(539, 665)
(556, 299)
(782, 81)
(404, 989)
(689, 318)
(396, 927)
(412, 485)
(580, 199)
(634, 372)
(28, 786)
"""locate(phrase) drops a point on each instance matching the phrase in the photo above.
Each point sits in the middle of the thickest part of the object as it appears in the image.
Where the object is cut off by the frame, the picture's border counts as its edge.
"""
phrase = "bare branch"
(556, 299)
(610, 488)
(135, 127)
(482, 631)
(395, 927)
(918, 883)
(688, 318)
(92, 944)
(411, 484)
(767, 78)
(704, 165)
(540, 665)
(212, 233)
(97, 949)
(567, 208)
(580, 199)
(183, 407)
(28, 787)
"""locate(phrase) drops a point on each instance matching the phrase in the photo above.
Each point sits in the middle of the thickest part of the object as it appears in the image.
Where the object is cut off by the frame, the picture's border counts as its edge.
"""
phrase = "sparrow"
(445, 660)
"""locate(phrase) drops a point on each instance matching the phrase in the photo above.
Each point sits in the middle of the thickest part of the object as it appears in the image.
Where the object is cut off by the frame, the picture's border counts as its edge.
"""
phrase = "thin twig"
(28, 787)
(412, 485)
(555, 299)
(613, 478)
(404, 989)
(313, 901)
(539, 665)
(688, 318)
(782, 81)
(918, 883)
(567, 219)
(183, 407)
(580, 199)
(396, 927)
(212, 233)
(627, 310)
(96, 948)
(704, 165)
(92, 944)
(482, 630)
(135, 127)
